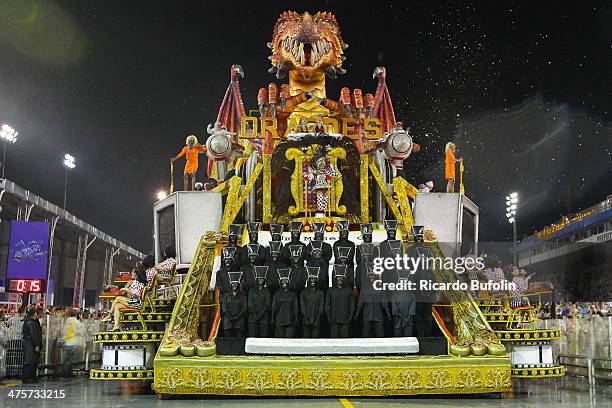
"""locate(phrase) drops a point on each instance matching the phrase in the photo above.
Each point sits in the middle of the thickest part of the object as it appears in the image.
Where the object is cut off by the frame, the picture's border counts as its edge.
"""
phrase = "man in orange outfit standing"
(450, 166)
(191, 152)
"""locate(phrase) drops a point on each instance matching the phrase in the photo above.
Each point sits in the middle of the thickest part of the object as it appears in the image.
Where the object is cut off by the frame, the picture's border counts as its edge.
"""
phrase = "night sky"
(523, 88)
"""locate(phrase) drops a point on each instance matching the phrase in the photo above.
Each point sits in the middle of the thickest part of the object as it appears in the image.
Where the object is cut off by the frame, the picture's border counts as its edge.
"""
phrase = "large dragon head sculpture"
(308, 44)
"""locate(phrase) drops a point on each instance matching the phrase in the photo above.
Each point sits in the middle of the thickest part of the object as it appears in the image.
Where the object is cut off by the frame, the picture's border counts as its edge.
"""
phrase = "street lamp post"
(69, 164)
(8, 135)
(511, 207)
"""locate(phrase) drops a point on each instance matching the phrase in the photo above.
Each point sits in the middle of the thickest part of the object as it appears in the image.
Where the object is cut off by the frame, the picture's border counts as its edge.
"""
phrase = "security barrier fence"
(11, 348)
(585, 346)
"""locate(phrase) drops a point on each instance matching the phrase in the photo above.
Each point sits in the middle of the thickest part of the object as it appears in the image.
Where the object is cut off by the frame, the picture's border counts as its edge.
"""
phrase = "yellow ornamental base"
(121, 375)
(542, 372)
(331, 375)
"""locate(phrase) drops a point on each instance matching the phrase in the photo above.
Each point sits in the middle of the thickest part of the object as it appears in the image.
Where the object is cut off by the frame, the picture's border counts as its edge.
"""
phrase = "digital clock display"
(26, 285)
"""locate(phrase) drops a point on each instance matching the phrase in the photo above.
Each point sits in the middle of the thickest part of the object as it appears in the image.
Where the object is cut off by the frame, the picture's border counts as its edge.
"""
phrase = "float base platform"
(331, 375)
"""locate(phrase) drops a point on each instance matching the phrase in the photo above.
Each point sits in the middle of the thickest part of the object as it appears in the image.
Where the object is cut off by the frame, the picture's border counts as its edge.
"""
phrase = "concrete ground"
(82, 392)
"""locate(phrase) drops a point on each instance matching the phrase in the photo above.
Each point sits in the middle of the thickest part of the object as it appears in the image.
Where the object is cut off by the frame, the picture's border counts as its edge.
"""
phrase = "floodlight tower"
(69, 164)
(511, 207)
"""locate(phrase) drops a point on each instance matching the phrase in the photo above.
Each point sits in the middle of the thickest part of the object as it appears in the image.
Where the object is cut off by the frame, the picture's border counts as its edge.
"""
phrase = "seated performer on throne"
(320, 128)
(312, 305)
(320, 178)
(285, 307)
(296, 234)
(339, 304)
(163, 271)
(130, 296)
(259, 304)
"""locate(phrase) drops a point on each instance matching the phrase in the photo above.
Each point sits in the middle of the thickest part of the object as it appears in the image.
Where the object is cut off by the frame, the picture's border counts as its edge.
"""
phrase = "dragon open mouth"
(306, 54)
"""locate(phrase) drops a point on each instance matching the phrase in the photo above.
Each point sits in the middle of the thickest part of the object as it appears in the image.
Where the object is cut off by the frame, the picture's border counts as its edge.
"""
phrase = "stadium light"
(69, 164)
(69, 161)
(8, 135)
(512, 206)
(161, 195)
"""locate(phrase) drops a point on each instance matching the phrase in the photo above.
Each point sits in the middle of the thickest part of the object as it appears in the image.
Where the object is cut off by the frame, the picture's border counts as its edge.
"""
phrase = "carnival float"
(300, 198)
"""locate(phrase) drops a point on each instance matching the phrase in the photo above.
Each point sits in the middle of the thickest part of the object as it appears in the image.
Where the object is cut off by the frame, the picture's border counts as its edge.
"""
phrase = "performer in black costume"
(227, 265)
(390, 248)
(259, 304)
(285, 308)
(365, 254)
(234, 308)
(385, 249)
(274, 263)
(276, 233)
(248, 269)
(316, 260)
(424, 298)
(349, 257)
(339, 304)
(297, 282)
(253, 230)
(234, 231)
(296, 233)
(403, 307)
(369, 251)
(312, 305)
(372, 308)
(319, 236)
(342, 258)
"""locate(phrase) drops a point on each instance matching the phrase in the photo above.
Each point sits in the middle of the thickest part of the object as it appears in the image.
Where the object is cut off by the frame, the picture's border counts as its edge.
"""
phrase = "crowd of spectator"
(5, 315)
(23, 329)
(584, 310)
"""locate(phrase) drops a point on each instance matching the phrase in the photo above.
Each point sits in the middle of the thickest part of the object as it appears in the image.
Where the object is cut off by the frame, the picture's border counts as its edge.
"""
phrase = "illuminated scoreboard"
(26, 285)
(28, 257)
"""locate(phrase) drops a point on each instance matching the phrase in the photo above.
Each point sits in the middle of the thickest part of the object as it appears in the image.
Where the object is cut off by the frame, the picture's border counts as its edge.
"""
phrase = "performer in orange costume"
(191, 152)
(450, 166)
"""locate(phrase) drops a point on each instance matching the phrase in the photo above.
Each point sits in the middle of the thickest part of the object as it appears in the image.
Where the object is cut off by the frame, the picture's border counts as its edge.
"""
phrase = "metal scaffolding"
(85, 242)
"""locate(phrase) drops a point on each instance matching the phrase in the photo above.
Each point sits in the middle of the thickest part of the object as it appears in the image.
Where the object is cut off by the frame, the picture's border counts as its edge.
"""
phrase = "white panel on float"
(143, 354)
(131, 357)
(385, 345)
(108, 357)
(525, 355)
(443, 214)
(547, 354)
(195, 212)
